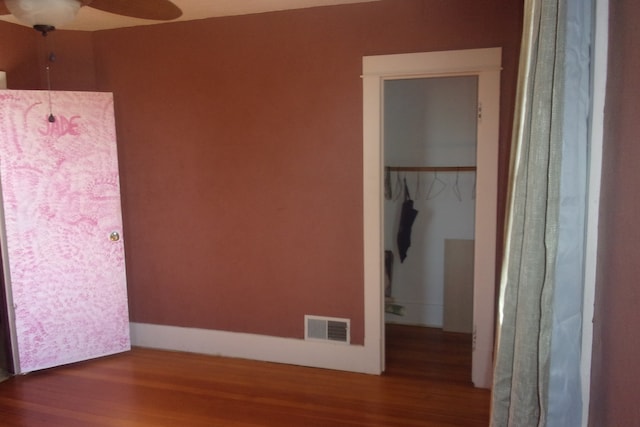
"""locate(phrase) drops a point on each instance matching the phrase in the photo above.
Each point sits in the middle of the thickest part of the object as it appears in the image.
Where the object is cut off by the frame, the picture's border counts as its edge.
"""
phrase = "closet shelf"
(431, 168)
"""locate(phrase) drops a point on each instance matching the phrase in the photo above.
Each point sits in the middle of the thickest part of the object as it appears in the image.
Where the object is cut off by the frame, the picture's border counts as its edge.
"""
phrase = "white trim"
(405, 65)
(486, 64)
(484, 272)
(328, 355)
(598, 93)
(372, 224)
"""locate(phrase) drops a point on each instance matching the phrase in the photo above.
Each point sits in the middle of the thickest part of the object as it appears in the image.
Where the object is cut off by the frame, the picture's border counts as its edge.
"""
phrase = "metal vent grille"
(326, 329)
(337, 331)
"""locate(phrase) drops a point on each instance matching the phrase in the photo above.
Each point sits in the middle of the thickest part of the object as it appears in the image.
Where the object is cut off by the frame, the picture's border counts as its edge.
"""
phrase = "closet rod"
(431, 168)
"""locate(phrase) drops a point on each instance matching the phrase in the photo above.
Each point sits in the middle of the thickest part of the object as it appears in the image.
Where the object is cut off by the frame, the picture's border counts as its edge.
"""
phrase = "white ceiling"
(89, 19)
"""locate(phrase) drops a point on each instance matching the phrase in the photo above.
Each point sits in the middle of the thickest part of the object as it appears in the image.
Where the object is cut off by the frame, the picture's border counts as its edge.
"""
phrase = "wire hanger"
(456, 187)
(417, 195)
(434, 191)
(398, 187)
(473, 192)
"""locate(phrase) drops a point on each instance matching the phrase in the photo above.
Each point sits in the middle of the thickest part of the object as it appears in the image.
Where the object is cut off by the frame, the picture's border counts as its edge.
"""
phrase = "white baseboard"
(337, 356)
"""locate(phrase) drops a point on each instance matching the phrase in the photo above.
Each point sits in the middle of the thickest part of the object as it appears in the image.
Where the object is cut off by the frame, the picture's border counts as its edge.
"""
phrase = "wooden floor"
(427, 383)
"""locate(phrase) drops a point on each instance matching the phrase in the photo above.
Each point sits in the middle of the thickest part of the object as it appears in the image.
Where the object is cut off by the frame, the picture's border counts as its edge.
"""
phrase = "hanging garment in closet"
(407, 217)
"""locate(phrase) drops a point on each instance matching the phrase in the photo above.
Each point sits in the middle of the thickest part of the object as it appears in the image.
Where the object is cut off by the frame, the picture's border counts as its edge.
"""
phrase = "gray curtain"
(565, 388)
(537, 378)
(523, 346)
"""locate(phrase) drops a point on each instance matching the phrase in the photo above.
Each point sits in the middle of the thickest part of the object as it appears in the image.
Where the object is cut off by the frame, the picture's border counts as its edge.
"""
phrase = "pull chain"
(51, 57)
(52, 118)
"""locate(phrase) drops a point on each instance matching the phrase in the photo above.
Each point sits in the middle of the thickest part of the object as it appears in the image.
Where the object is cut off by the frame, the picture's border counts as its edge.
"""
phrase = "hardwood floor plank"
(427, 383)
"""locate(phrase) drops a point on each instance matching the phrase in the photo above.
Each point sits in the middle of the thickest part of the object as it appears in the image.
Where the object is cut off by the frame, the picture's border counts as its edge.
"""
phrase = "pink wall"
(73, 68)
(240, 145)
(616, 348)
(241, 154)
(24, 53)
(17, 56)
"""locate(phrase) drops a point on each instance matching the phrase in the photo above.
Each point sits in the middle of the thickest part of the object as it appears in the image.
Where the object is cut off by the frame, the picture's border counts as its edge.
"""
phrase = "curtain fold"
(523, 344)
(565, 381)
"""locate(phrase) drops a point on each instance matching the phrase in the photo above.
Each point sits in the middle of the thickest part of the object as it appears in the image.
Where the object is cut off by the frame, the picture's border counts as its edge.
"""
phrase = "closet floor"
(428, 353)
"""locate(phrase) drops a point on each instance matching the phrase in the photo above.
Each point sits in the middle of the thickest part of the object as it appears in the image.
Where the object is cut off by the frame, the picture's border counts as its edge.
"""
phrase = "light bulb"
(44, 12)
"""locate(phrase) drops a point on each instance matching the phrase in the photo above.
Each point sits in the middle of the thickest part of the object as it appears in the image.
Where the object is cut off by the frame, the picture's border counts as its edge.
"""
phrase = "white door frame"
(599, 72)
(486, 64)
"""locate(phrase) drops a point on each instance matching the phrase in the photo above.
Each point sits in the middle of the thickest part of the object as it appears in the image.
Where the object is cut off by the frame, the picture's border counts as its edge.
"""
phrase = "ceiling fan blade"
(160, 10)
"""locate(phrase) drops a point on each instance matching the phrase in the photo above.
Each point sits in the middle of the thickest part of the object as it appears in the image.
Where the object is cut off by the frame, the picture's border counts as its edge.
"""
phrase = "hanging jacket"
(407, 217)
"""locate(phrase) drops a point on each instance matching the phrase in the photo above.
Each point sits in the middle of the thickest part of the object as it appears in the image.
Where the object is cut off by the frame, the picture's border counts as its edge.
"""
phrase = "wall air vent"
(331, 329)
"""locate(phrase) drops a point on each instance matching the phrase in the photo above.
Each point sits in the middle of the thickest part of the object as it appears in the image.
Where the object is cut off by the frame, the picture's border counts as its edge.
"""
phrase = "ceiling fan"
(46, 15)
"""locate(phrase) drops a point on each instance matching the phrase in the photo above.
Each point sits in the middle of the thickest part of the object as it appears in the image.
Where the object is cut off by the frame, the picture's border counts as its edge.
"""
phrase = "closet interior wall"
(430, 132)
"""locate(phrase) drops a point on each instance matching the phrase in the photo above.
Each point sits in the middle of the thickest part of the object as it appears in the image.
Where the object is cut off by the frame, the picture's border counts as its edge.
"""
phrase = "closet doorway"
(470, 179)
(429, 138)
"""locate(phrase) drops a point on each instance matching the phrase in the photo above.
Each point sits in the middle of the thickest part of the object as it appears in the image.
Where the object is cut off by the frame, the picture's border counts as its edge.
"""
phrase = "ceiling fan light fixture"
(44, 13)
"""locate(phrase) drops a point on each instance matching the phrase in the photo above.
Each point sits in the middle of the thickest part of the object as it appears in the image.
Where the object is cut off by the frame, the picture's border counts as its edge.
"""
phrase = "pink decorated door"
(62, 232)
